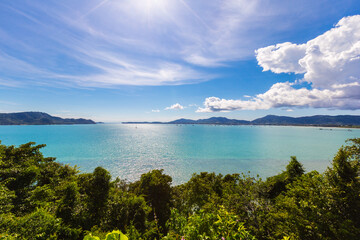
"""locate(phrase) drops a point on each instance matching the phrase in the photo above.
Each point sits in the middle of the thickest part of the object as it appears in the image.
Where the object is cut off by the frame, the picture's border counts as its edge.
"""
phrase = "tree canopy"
(43, 199)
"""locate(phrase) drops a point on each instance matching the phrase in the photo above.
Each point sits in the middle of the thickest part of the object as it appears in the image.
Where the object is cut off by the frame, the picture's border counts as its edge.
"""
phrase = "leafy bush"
(219, 224)
(114, 235)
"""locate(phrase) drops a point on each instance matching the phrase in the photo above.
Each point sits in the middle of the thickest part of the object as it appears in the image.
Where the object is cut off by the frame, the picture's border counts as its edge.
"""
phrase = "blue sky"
(134, 60)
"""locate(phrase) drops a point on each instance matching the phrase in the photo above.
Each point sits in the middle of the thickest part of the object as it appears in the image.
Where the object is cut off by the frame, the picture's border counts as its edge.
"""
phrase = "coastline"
(222, 124)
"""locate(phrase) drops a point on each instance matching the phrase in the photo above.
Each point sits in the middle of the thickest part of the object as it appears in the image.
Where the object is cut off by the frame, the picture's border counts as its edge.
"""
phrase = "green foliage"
(277, 184)
(8, 237)
(198, 191)
(37, 225)
(97, 190)
(91, 237)
(114, 235)
(67, 205)
(125, 210)
(300, 212)
(6, 198)
(344, 194)
(321, 206)
(219, 224)
(19, 170)
(31, 176)
(156, 189)
(353, 150)
(294, 169)
(43, 199)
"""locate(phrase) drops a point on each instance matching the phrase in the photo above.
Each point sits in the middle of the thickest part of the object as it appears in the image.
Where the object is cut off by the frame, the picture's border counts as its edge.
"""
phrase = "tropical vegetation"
(41, 198)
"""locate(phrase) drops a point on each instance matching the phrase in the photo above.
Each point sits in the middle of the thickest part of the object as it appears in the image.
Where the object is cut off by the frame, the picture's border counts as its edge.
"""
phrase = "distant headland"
(317, 120)
(38, 118)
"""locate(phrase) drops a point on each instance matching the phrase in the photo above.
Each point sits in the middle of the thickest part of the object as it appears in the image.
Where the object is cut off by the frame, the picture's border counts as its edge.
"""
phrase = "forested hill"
(38, 118)
(318, 120)
(213, 120)
(340, 120)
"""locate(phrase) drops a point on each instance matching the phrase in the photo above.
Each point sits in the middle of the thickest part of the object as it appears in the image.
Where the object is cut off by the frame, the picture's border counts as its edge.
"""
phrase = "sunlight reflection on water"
(128, 151)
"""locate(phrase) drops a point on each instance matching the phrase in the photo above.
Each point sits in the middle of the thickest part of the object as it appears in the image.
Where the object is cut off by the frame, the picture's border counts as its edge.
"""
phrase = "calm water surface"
(128, 151)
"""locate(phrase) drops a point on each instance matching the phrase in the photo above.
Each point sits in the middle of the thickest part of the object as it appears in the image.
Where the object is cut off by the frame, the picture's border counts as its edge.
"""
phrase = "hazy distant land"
(40, 118)
(317, 120)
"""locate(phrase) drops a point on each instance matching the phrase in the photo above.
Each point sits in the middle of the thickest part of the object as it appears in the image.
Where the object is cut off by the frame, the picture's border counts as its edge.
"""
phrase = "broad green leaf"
(116, 235)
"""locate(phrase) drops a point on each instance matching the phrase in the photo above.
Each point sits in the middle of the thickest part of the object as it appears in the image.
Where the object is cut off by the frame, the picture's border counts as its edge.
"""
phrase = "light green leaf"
(116, 235)
(90, 237)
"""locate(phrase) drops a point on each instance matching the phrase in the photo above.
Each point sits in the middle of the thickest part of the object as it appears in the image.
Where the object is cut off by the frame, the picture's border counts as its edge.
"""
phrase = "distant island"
(317, 120)
(38, 118)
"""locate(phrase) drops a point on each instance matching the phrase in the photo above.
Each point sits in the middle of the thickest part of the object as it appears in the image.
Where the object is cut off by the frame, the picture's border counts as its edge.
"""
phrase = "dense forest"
(38, 118)
(43, 199)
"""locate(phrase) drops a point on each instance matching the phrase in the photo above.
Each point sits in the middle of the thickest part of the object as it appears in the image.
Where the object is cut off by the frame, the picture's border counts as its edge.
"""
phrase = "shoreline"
(219, 124)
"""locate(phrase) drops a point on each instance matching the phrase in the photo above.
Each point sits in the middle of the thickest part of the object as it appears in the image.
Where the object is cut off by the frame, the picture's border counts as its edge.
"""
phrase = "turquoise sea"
(128, 151)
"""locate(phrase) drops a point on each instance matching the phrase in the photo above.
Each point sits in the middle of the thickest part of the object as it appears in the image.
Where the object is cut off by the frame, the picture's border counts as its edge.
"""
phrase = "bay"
(129, 150)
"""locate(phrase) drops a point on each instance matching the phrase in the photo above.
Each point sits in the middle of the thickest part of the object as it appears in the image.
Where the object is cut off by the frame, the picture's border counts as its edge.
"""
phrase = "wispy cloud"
(102, 43)
(8, 103)
(193, 105)
(79, 49)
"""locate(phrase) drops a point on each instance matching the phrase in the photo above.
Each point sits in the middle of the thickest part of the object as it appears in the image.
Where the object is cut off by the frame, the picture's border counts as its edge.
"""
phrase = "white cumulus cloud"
(281, 58)
(331, 58)
(175, 106)
(330, 64)
(285, 95)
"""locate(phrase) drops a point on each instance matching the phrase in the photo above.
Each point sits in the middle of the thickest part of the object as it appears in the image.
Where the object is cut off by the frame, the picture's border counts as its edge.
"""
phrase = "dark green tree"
(155, 186)
(344, 195)
(294, 169)
(6, 198)
(97, 190)
(69, 203)
(19, 170)
(199, 190)
(125, 210)
(301, 212)
(277, 184)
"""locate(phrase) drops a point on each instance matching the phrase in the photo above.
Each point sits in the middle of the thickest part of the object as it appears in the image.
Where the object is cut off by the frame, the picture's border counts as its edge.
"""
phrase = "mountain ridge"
(38, 118)
(316, 120)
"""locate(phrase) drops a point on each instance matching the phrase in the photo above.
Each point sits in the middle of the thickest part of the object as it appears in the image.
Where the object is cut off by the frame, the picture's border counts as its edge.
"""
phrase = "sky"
(160, 60)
